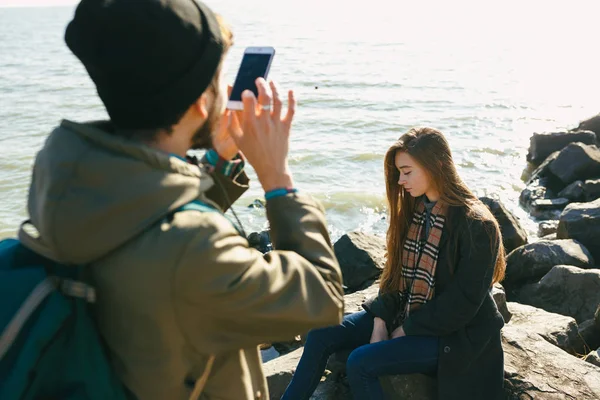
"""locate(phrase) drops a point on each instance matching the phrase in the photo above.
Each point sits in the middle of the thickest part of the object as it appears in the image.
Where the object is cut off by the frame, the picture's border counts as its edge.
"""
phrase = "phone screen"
(252, 67)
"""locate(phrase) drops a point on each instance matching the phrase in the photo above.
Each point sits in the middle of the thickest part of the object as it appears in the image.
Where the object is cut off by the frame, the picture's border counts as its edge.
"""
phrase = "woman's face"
(413, 177)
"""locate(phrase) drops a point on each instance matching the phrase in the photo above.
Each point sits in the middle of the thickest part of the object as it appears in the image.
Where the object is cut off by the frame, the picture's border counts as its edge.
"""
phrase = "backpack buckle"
(77, 289)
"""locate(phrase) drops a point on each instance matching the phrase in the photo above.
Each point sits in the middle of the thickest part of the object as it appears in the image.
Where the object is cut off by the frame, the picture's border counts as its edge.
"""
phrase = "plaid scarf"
(420, 256)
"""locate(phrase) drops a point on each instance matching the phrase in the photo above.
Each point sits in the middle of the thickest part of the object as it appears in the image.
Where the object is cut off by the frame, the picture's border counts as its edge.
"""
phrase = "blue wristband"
(279, 192)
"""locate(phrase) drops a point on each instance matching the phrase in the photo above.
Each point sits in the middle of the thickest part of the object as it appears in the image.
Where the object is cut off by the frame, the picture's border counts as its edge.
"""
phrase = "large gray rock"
(543, 144)
(261, 241)
(559, 330)
(581, 221)
(577, 161)
(279, 372)
(548, 208)
(593, 358)
(353, 302)
(361, 258)
(410, 387)
(573, 191)
(565, 290)
(542, 170)
(536, 369)
(513, 234)
(534, 260)
(590, 124)
(597, 317)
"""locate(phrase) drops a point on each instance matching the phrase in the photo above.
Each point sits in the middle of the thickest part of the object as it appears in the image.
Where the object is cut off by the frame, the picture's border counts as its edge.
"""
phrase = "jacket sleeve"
(472, 279)
(230, 179)
(385, 306)
(232, 296)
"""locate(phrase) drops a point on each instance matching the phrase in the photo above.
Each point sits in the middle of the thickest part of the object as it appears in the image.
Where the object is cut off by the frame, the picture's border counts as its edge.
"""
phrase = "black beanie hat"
(150, 59)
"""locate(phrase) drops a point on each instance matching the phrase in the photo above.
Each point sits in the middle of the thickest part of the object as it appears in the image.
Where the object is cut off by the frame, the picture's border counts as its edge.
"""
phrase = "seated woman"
(435, 313)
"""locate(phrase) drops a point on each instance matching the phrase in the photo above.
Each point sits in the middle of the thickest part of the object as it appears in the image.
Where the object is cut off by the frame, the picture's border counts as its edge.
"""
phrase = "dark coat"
(462, 313)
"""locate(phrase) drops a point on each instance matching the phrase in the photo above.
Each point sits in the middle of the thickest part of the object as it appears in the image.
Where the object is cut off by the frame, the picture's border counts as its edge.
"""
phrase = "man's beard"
(202, 139)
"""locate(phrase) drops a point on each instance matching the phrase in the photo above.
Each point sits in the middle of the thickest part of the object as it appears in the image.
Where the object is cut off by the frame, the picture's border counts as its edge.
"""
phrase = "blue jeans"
(405, 355)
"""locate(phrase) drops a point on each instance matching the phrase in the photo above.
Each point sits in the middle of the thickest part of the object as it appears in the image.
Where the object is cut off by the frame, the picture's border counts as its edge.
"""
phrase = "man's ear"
(201, 105)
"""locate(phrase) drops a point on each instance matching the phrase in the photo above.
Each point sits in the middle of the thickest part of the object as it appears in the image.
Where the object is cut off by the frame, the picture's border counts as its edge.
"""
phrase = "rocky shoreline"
(550, 299)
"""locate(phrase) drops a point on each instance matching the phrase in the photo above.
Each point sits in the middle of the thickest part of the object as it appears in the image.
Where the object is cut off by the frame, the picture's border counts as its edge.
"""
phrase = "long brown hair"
(431, 150)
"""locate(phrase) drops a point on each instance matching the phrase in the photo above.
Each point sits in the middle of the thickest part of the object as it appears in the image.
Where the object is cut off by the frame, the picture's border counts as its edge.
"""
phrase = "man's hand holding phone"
(263, 135)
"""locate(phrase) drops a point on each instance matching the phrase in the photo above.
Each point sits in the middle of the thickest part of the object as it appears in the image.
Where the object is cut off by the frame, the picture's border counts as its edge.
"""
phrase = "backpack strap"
(197, 205)
(31, 303)
(201, 382)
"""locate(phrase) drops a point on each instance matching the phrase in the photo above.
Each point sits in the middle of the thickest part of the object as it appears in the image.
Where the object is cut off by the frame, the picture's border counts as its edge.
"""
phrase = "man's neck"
(172, 143)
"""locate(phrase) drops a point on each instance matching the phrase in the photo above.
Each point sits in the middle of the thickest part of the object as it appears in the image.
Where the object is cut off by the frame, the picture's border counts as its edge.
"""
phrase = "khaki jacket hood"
(92, 191)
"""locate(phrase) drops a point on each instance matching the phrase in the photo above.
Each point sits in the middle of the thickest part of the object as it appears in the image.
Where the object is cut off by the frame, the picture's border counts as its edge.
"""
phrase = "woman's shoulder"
(474, 217)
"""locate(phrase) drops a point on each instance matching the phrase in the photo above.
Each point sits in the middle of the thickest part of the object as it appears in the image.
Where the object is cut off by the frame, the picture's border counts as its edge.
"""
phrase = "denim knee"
(319, 338)
(355, 365)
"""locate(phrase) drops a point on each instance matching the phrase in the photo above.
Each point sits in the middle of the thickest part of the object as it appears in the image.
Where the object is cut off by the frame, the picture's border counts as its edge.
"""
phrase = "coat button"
(447, 349)
(258, 395)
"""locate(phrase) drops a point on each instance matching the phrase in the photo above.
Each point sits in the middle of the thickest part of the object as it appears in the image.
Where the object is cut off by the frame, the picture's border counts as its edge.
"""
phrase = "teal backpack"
(50, 347)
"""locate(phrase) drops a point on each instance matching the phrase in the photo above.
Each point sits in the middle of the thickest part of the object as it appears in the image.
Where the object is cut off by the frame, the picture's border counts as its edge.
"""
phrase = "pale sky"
(36, 3)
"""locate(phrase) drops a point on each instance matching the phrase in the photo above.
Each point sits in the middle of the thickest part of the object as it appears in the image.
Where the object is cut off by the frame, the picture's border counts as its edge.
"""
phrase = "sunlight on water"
(487, 74)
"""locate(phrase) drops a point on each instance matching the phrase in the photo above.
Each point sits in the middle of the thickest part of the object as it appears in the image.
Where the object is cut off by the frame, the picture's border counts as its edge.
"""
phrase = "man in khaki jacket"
(182, 301)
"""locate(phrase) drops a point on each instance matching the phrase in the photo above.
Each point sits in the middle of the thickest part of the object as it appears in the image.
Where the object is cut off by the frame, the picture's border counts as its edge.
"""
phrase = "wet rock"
(582, 191)
(597, 317)
(542, 171)
(499, 296)
(590, 334)
(573, 191)
(551, 236)
(591, 190)
(577, 161)
(547, 227)
(559, 330)
(261, 241)
(530, 262)
(590, 124)
(257, 203)
(513, 234)
(543, 144)
(536, 369)
(581, 221)
(536, 190)
(361, 258)
(593, 358)
(548, 208)
(565, 290)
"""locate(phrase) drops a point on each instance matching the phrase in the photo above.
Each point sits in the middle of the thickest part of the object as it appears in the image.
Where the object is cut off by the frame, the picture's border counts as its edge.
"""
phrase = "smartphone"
(256, 63)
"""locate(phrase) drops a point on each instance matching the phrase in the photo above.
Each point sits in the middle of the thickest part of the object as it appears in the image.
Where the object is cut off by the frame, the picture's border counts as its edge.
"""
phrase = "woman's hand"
(398, 332)
(379, 331)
